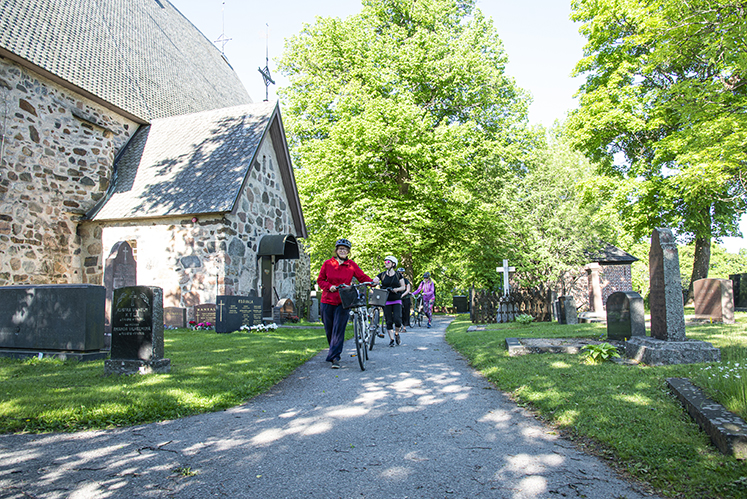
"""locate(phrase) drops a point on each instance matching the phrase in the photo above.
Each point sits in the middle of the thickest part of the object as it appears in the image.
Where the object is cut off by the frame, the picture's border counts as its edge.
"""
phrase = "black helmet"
(426, 275)
(343, 242)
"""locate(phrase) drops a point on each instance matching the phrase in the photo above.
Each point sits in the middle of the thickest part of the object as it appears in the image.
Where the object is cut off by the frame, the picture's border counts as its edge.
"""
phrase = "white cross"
(505, 269)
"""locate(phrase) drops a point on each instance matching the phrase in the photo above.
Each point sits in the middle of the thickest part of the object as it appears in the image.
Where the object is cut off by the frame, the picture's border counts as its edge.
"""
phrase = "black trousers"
(393, 316)
(406, 311)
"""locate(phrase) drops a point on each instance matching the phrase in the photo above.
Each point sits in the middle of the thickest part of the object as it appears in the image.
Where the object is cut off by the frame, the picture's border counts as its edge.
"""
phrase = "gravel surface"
(418, 423)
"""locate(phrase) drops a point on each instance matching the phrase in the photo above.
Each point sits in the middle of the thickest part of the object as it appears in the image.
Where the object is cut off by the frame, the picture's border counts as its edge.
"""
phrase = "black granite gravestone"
(625, 315)
(232, 312)
(120, 270)
(65, 320)
(137, 331)
(739, 288)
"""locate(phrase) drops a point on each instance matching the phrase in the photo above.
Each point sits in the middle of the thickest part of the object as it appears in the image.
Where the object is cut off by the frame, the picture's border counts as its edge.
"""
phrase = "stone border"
(515, 347)
(727, 431)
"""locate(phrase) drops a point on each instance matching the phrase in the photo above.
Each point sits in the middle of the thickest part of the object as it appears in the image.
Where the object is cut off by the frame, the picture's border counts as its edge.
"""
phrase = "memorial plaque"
(120, 270)
(625, 315)
(714, 300)
(133, 325)
(232, 312)
(205, 312)
(175, 317)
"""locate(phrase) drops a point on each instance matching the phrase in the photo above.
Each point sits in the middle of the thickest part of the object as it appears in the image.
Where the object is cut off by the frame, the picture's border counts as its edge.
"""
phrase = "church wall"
(56, 158)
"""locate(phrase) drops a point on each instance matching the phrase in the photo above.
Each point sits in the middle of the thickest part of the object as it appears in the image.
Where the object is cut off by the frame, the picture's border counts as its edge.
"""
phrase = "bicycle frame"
(361, 330)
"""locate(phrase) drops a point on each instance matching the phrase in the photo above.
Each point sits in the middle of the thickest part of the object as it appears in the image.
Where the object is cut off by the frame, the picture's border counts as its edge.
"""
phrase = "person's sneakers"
(403, 330)
(429, 324)
(391, 343)
(380, 335)
(336, 364)
(396, 337)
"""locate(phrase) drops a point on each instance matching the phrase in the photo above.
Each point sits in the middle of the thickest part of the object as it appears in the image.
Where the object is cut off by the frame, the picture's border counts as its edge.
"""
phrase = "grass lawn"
(209, 372)
(623, 413)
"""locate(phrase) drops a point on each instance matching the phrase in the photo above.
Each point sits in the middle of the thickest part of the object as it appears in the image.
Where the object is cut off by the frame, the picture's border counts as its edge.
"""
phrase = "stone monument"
(120, 270)
(667, 344)
(175, 317)
(567, 312)
(625, 315)
(137, 332)
(714, 300)
(739, 288)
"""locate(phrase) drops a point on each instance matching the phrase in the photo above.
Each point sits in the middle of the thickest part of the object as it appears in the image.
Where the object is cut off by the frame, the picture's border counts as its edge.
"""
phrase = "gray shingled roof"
(611, 255)
(142, 56)
(186, 165)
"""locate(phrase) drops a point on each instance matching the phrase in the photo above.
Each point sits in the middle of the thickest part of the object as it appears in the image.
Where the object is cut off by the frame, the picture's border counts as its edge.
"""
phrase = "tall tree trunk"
(700, 265)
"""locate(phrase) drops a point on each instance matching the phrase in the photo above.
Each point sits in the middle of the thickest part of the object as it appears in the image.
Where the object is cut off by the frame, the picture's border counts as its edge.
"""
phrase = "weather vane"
(265, 72)
(222, 39)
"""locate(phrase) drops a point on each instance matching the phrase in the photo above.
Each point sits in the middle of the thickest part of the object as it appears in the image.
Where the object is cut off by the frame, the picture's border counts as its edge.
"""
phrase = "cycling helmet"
(343, 242)
(426, 275)
(391, 259)
(401, 270)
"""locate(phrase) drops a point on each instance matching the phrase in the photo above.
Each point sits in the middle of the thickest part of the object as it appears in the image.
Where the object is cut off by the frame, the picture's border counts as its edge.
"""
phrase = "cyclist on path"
(428, 288)
(405, 302)
(392, 280)
(337, 271)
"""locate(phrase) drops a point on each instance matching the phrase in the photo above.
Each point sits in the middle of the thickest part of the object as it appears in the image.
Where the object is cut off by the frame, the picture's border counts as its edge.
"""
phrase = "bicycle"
(377, 322)
(354, 298)
(417, 312)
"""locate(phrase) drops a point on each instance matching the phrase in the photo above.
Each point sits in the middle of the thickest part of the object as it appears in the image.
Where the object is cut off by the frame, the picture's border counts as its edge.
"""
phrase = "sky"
(543, 46)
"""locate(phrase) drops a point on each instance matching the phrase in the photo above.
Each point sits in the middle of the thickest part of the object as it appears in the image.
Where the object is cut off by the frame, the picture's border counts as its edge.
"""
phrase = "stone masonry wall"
(56, 155)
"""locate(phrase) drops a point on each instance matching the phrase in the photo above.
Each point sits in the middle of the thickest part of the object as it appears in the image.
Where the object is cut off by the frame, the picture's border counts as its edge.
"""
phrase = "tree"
(403, 127)
(665, 89)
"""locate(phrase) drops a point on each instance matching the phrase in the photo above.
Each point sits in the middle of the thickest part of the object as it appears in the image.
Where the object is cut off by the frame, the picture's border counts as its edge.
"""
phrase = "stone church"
(120, 121)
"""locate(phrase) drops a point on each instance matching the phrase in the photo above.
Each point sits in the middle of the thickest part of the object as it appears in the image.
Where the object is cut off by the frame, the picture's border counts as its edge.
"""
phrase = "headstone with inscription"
(61, 320)
(714, 300)
(232, 312)
(314, 310)
(120, 270)
(667, 344)
(739, 288)
(205, 313)
(175, 317)
(625, 315)
(137, 332)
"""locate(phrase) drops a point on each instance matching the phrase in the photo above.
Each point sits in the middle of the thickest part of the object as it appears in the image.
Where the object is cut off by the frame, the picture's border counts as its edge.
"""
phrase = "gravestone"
(567, 310)
(62, 320)
(625, 315)
(205, 313)
(714, 300)
(667, 344)
(232, 312)
(460, 303)
(739, 289)
(277, 315)
(120, 270)
(137, 332)
(175, 317)
(314, 310)
(287, 309)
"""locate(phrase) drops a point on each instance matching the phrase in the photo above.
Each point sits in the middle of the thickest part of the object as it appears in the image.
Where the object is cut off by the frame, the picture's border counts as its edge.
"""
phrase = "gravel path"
(418, 423)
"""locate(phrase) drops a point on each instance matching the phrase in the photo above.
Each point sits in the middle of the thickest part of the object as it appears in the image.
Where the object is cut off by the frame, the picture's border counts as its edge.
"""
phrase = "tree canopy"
(664, 109)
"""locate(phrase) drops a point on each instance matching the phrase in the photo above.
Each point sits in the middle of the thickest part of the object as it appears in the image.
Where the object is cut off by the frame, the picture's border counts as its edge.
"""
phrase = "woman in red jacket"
(334, 272)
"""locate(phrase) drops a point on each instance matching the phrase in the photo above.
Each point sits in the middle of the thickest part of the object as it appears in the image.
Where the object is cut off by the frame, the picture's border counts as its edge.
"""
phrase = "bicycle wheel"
(373, 326)
(420, 318)
(360, 344)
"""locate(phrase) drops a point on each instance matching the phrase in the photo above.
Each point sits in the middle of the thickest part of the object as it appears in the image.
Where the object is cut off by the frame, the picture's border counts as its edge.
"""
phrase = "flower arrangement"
(259, 328)
(201, 326)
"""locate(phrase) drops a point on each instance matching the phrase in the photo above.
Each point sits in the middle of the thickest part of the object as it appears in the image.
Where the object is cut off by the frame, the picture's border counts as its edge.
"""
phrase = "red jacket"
(334, 273)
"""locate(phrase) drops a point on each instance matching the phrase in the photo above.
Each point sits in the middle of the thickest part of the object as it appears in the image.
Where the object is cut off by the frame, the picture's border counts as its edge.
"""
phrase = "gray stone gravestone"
(625, 315)
(120, 270)
(667, 344)
(175, 317)
(137, 332)
(714, 300)
(314, 310)
(739, 288)
(567, 310)
(62, 320)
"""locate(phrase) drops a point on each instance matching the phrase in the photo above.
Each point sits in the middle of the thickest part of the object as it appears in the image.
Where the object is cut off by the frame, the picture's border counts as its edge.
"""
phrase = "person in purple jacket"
(428, 289)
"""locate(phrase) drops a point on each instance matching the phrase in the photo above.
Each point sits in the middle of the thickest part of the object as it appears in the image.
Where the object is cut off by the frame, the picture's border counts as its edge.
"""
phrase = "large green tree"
(403, 127)
(664, 108)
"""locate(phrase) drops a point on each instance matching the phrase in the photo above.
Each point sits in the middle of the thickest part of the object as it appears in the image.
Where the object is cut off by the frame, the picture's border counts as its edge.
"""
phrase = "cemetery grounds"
(622, 413)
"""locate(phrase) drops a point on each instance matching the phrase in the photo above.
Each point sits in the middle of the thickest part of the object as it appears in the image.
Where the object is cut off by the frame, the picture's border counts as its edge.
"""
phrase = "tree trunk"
(700, 265)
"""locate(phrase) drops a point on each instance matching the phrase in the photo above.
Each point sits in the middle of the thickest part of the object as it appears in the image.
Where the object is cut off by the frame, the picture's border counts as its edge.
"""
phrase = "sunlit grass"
(209, 372)
(624, 413)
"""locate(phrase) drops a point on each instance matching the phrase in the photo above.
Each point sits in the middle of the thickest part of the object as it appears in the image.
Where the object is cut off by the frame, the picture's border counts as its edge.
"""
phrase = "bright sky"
(542, 44)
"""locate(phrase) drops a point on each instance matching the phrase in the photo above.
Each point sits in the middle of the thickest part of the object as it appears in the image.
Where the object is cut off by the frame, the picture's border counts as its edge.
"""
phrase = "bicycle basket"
(351, 297)
(378, 297)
